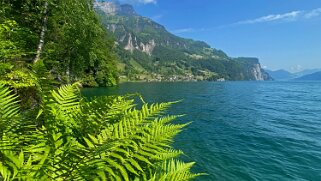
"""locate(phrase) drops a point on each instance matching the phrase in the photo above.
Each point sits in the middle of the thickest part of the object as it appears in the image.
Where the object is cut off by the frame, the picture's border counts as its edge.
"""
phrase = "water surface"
(243, 130)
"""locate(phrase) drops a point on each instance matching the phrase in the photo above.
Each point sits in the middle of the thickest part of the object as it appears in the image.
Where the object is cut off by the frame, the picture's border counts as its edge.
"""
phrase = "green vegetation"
(50, 133)
(160, 55)
(66, 35)
(71, 138)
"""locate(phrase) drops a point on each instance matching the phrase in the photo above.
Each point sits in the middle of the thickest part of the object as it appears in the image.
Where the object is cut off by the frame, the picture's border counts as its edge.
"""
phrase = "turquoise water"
(243, 130)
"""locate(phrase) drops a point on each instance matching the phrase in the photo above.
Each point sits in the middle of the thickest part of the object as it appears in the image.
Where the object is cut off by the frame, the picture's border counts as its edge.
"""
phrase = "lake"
(243, 130)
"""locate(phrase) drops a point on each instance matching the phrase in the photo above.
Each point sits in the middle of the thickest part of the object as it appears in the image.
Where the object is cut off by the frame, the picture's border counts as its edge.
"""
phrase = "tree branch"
(42, 34)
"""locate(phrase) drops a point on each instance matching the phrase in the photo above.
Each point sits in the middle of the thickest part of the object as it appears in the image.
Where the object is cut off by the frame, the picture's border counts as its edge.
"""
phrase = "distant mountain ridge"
(310, 77)
(306, 72)
(149, 52)
(280, 74)
(285, 75)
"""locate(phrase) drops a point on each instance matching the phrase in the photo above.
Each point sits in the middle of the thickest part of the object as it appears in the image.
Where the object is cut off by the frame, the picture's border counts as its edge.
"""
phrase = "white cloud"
(296, 68)
(184, 30)
(273, 17)
(139, 1)
(191, 30)
(313, 13)
(157, 17)
(285, 17)
(147, 1)
(289, 16)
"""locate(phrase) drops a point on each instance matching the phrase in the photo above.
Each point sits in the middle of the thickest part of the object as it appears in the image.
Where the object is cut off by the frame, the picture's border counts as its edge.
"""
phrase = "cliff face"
(134, 32)
(133, 44)
(147, 48)
(260, 74)
(257, 74)
(110, 8)
(114, 8)
(254, 69)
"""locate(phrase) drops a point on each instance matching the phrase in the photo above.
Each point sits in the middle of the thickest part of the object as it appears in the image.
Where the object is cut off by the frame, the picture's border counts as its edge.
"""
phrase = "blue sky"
(282, 33)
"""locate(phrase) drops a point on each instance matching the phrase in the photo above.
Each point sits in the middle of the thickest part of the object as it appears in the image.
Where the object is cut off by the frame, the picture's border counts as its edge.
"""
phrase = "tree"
(66, 35)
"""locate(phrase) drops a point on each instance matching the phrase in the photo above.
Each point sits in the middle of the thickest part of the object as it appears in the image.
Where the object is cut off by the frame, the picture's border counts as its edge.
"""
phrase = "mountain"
(285, 75)
(306, 72)
(280, 74)
(310, 77)
(149, 52)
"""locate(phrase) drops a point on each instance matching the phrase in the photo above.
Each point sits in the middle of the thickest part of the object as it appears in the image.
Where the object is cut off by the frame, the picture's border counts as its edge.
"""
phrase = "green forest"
(149, 52)
(48, 131)
(65, 35)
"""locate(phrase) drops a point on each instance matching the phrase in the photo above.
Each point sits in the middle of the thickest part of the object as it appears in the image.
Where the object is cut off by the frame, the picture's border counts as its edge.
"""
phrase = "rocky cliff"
(253, 69)
(113, 8)
(150, 52)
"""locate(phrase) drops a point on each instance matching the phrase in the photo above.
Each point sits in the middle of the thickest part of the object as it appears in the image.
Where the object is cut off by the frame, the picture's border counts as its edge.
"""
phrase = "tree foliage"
(169, 56)
(71, 138)
(76, 46)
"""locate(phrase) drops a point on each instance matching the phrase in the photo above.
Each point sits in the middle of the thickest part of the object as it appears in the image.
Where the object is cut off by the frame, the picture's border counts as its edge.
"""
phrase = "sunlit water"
(243, 130)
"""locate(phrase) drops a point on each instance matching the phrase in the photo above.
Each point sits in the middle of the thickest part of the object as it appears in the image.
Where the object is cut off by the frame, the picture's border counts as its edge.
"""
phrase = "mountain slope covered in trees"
(66, 35)
(149, 52)
(51, 133)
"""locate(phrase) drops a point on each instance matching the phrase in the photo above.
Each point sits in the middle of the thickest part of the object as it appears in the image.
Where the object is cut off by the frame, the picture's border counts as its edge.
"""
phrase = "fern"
(107, 138)
(174, 170)
(8, 103)
(9, 109)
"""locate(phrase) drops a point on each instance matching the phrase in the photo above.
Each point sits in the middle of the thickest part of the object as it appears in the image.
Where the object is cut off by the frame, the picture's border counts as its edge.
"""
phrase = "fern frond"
(8, 103)
(67, 97)
(175, 170)
(150, 112)
(103, 139)
(168, 154)
(60, 112)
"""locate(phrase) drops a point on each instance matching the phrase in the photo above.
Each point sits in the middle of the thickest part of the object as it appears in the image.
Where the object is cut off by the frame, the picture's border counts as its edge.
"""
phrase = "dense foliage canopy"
(66, 35)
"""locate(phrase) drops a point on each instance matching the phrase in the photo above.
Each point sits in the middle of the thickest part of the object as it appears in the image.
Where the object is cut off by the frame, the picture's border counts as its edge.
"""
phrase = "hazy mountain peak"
(280, 74)
(127, 9)
(115, 8)
(316, 76)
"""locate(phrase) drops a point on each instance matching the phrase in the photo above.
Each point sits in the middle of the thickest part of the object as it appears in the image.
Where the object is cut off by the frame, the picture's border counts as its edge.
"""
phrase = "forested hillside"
(149, 52)
(51, 133)
(65, 35)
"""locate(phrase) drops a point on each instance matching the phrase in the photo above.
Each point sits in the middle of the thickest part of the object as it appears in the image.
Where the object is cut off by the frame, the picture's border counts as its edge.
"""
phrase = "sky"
(283, 34)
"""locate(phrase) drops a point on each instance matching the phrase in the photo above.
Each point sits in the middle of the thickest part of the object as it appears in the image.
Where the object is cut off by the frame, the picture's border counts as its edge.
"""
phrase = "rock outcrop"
(148, 50)
(114, 8)
(255, 71)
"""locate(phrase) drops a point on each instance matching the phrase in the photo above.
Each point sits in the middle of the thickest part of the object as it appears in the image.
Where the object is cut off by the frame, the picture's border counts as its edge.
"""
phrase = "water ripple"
(244, 130)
